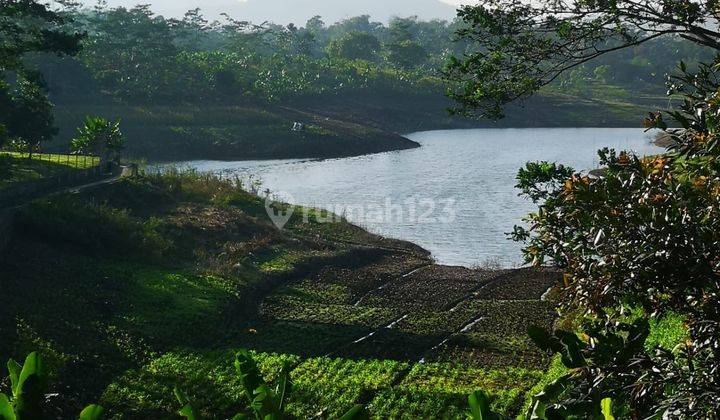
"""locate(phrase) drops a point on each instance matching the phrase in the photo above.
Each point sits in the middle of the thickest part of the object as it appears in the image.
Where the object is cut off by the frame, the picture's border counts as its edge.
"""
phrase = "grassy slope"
(146, 284)
(600, 106)
(345, 124)
(231, 132)
(16, 167)
(154, 283)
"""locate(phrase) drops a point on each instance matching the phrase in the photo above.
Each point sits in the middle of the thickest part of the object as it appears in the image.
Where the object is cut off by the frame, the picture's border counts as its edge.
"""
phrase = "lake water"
(454, 196)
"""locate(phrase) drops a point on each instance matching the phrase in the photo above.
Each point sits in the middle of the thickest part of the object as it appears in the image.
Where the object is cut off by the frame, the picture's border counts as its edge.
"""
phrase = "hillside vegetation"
(174, 273)
(200, 89)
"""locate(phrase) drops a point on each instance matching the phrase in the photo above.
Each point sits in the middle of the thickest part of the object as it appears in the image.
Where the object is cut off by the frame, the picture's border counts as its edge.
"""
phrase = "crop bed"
(434, 287)
(522, 284)
(408, 339)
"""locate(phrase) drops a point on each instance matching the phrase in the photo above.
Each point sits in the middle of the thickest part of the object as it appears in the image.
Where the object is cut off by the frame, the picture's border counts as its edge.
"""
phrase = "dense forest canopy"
(522, 46)
(135, 55)
(26, 27)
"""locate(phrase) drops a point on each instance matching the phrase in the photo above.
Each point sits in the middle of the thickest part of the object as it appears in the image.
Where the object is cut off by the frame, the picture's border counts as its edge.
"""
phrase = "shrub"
(644, 237)
(95, 227)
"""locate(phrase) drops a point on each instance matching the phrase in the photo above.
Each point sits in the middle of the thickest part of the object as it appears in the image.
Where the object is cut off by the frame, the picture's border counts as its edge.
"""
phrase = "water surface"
(454, 196)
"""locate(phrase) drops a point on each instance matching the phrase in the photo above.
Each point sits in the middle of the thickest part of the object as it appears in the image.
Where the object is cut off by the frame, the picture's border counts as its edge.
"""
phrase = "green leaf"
(542, 338)
(249, 373)
(6, 409)
(607, 410)
(33, 367)
(265, 403)
(92, 412)
(479, 406)
(571, 351)
(283, 387)
(188, 411)
(180, 396)
(14, 368)
(358, 412)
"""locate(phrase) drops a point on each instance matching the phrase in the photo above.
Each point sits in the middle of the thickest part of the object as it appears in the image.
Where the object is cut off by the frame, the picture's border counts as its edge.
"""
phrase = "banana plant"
(92, 412)
(27, 383)
(266, 402)
(479, 409)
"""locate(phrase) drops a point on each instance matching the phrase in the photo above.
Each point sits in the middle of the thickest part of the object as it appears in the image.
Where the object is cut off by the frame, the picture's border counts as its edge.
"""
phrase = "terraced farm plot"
(525, 283)
(296, 309)
(441, 389)
(427, 334)
(433, 287)
(332, 386)
(361, 281)
(497, 336)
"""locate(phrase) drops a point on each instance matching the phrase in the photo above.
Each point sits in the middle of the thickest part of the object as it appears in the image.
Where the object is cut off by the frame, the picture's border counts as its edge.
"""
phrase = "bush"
(642, 239)
(98, 228)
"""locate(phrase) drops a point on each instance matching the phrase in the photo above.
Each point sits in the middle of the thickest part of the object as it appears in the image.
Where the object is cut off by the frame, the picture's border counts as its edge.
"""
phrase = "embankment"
(244, 132)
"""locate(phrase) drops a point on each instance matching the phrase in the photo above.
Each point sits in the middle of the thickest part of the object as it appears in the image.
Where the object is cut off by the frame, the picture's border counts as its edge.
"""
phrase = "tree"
(355, 45)
(29, 26)
(519, 46)
(407, 54)
(100, 137)
(26, 113)
(404, 51)
(638, 243)
(131, 53)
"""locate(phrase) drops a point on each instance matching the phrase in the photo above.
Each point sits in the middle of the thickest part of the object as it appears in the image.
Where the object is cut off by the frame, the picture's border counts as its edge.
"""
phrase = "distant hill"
(298, 11)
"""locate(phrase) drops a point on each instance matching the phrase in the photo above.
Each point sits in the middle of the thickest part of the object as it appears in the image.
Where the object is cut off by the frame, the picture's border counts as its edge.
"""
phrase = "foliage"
(29, 26)
(96, 227)
(265, 403)
(26, 113)
(641, 238)
(27, 384)
(518, 47)
(355, 46)
(98, 136)
(135, 56)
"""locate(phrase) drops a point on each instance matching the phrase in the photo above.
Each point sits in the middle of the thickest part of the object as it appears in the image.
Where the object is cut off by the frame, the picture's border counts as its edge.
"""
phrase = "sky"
(299, 11)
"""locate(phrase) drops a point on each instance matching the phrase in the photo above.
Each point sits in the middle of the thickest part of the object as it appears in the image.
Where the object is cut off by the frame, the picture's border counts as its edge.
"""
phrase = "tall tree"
(520, 46)
(29, 26)
(131, 52)
(355, 46)
(404, 51)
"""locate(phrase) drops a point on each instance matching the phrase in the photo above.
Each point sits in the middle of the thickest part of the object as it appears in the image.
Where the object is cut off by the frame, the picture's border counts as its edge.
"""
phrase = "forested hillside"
(197, 88)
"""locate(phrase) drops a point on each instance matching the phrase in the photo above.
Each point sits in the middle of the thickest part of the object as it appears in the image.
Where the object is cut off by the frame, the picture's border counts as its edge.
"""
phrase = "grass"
(667, 332)
(321, 386)
(154, 282)
(18, 167)
(185, 132)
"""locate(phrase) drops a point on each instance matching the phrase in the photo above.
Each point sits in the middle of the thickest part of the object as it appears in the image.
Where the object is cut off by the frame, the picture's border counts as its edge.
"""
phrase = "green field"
(20, 167)
(175, 273)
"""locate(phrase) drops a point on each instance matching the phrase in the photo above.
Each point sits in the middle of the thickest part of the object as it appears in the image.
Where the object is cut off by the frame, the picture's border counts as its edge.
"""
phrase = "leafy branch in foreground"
(638, 243)
(521, 46)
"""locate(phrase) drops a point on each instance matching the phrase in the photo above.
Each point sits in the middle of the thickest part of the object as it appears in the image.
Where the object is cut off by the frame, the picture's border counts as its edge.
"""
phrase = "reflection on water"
(461, 181)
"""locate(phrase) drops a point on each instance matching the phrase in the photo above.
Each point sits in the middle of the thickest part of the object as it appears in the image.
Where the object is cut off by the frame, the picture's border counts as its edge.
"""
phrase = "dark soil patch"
(522, 284)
